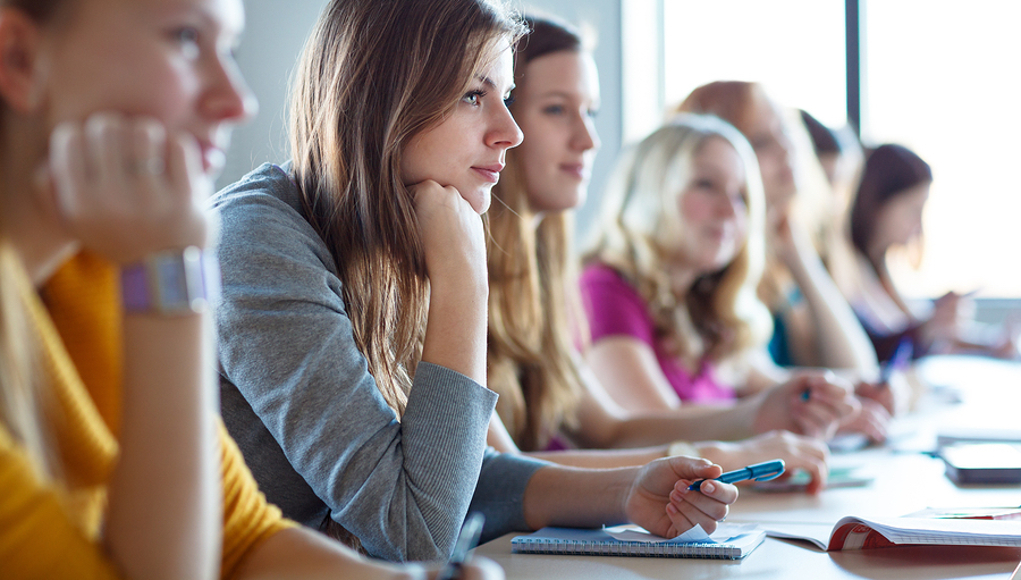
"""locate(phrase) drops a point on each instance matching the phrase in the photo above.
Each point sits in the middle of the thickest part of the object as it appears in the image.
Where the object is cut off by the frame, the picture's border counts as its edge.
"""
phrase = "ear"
(19, 46)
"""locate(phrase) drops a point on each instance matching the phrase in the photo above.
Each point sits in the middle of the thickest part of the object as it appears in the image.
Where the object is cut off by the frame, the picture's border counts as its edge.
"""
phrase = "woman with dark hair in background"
(887, 213)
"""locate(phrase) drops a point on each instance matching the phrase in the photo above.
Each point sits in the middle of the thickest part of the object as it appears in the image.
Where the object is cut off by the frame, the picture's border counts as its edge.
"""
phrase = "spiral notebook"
(728, 542)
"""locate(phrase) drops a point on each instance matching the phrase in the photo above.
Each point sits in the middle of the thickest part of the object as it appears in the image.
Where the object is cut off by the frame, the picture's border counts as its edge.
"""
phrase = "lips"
(576, 170)
(490, 173)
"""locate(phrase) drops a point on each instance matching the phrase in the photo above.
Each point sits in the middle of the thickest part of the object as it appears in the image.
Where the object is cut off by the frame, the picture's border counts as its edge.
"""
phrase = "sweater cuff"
(501, 492)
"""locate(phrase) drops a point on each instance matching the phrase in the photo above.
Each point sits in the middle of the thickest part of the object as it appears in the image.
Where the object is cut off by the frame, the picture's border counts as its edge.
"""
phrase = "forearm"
(689, 423)
(455, 335)
(839, 338)
(164, 513)
(302, 554)
(581, 498)
(602, 458)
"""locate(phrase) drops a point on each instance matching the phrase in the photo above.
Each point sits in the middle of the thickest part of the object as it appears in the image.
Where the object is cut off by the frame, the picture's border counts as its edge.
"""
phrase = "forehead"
(717, 151)
(223, 15)
(497, 64)
(566, 71)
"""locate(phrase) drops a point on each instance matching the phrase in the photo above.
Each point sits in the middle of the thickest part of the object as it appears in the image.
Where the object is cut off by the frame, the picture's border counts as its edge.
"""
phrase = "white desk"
(905, 482)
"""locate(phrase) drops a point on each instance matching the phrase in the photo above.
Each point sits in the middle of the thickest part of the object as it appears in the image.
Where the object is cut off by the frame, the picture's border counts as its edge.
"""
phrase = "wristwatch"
(169, 283)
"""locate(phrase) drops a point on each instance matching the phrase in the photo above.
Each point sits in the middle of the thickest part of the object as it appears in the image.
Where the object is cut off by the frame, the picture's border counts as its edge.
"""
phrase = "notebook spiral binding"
(624, 548)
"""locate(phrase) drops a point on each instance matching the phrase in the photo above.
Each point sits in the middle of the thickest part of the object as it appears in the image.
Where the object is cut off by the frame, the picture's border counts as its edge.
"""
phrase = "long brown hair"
(722, 306)
(373, 74)
(532, 286)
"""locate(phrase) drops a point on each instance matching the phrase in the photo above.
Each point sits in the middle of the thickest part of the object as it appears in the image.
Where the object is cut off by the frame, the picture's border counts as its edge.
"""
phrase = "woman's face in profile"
(899, 220)
(170, 60)
(467, 150)
(772, 146)
(555, 107)
(710, 221)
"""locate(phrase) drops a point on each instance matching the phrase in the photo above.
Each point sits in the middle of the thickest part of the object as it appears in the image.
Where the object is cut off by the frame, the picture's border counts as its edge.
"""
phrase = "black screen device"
(983, 463)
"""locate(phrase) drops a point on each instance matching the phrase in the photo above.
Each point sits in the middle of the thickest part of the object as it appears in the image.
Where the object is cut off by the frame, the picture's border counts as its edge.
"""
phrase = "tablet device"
(990, 463)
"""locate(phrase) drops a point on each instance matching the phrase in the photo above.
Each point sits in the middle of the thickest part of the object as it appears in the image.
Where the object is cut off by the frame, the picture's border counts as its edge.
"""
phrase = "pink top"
(614, 308)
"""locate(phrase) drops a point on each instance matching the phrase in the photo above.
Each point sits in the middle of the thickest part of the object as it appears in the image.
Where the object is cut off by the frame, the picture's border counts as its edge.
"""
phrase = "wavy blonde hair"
(533, 304)
(373, 74)
(722, 306)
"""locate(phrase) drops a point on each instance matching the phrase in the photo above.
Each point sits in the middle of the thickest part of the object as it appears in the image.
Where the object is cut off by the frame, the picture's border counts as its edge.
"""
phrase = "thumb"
(694, 468)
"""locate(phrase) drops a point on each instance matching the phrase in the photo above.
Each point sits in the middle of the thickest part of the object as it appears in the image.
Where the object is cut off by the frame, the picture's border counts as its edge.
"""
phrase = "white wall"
(276, 30)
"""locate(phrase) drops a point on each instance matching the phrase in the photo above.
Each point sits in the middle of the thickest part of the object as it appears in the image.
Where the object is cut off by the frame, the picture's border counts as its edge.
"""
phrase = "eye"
(553, 110)
(473, 97)
(187, 37)
(509, 100)
(592, 113)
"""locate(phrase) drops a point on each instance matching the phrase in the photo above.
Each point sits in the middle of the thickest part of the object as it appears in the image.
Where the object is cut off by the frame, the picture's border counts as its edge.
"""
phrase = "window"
(941, 79)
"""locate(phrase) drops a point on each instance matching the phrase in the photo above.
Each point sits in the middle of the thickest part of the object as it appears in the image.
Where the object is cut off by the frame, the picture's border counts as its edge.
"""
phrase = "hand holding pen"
(764, 471)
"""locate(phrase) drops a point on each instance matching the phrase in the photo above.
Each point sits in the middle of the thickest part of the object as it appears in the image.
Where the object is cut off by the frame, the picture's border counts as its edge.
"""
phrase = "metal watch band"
(169, 283)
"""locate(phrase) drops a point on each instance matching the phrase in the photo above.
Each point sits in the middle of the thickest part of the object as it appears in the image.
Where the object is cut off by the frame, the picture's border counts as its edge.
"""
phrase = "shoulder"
(260, 219)
(601, 282)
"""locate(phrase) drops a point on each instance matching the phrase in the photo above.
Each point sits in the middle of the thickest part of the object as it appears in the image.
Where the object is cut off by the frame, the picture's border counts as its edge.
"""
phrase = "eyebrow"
(489, 82)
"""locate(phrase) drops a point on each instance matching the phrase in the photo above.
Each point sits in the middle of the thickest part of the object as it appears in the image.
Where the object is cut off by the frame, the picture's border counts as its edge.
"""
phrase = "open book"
(729, 541)
(852, 533)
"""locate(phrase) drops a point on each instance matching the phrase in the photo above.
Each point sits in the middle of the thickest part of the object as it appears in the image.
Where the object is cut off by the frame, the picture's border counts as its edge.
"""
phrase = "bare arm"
(455, 253)
(302, 554)
(163, 515)
(565, 496)
(630, 374)
(824, 332)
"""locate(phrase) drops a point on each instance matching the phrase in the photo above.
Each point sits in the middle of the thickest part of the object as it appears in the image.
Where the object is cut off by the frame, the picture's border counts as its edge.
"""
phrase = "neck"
(682, 278)
(30, 220)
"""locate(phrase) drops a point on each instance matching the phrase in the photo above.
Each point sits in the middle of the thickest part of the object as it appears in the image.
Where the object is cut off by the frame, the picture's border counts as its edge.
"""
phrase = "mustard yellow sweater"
(52, 532)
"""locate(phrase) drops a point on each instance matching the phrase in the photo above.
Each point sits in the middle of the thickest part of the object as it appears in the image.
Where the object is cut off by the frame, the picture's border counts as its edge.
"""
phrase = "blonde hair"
(23, 400)
(372, 75)
(534, 309)
(723, 307)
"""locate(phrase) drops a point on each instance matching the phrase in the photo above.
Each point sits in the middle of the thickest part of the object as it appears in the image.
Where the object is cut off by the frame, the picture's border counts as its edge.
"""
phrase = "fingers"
(705, 507)
(830, 401)
(124, 190)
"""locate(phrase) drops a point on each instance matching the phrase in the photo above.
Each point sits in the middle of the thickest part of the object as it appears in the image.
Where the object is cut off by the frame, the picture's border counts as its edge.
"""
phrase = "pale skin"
(555, 109)
(78, 147)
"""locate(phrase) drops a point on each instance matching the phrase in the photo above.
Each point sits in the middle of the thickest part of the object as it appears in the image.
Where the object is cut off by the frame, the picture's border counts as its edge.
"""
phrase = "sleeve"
(613, 307)
(501, 492)
(286, 342)
(248, 518)
(38, 539)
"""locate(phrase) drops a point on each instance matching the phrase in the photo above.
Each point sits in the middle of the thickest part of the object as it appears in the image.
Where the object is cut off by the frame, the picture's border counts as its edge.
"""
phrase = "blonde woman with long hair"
(112, 462)
(353, 319)
(548, 397)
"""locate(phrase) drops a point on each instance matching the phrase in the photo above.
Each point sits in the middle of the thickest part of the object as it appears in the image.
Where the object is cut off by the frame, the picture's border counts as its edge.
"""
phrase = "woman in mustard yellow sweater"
(113, 462)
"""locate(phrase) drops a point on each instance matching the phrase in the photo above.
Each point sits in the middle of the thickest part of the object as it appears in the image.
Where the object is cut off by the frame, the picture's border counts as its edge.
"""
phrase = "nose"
(228, 97)
(728, 206)
(504, 132)
(585, 137)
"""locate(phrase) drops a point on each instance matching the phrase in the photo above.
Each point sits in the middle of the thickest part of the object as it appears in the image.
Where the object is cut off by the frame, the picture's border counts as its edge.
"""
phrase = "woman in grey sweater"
(353, 320)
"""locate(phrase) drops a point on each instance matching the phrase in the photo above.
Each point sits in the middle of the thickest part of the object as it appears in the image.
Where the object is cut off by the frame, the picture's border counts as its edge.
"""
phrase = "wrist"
(170, 283)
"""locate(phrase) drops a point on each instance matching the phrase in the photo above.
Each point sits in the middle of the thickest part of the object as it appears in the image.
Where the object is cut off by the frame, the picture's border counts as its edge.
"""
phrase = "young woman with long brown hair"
(353, 320)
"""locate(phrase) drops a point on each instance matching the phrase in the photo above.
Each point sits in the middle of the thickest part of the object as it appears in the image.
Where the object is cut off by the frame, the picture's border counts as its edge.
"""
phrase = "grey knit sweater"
(312, 425)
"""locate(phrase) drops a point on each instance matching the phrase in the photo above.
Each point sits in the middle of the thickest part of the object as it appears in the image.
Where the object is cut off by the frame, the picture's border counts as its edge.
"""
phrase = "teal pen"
(764, 471)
